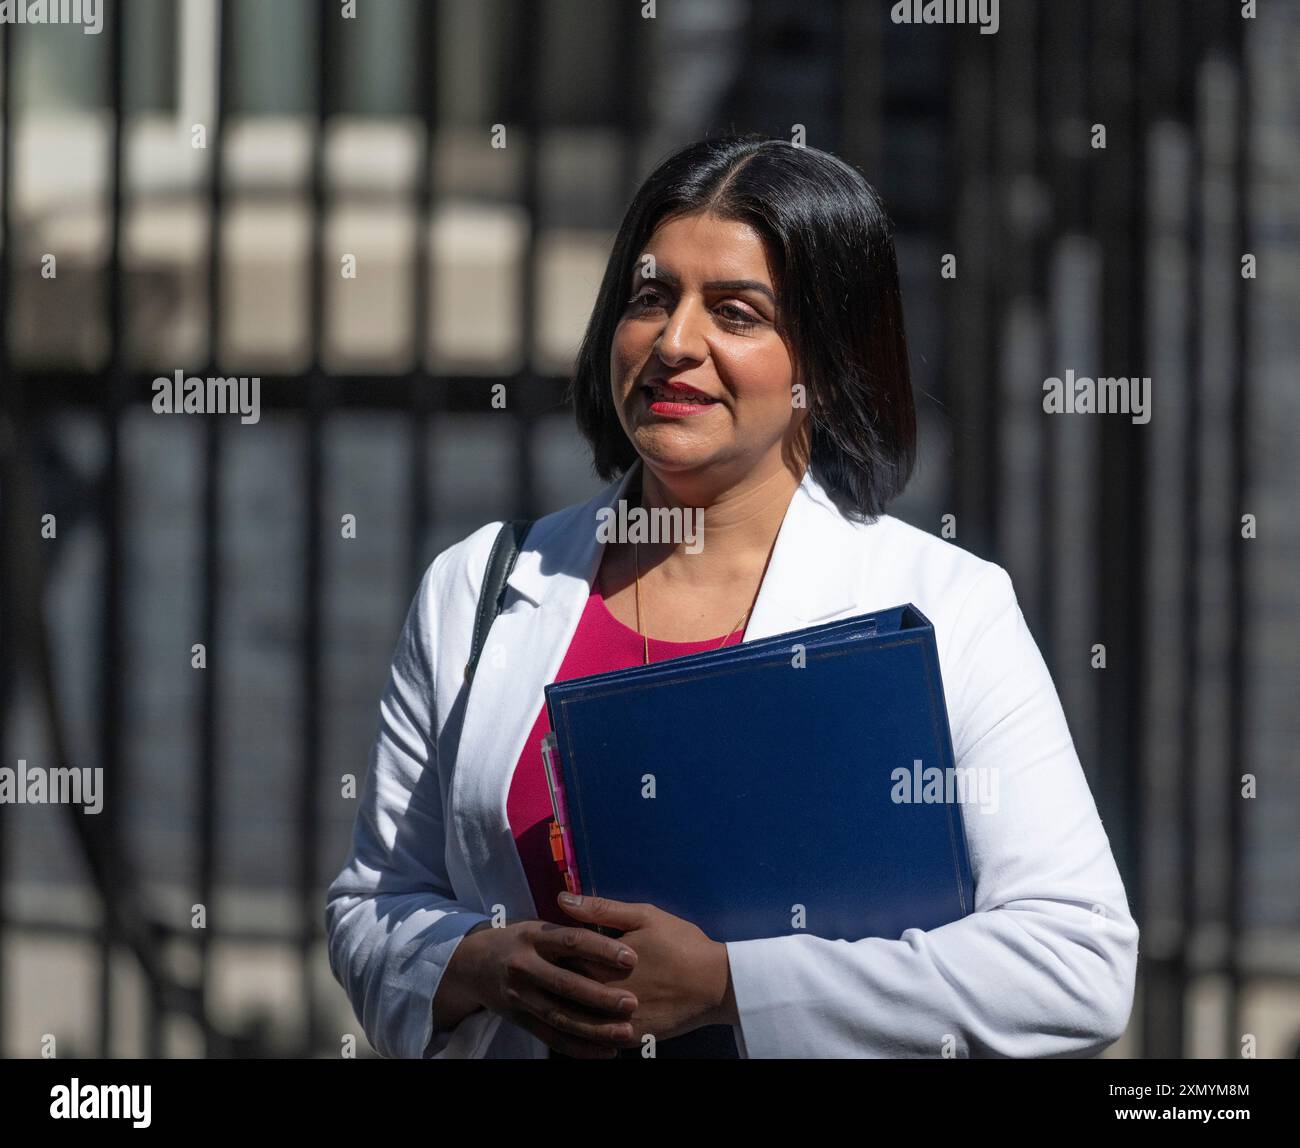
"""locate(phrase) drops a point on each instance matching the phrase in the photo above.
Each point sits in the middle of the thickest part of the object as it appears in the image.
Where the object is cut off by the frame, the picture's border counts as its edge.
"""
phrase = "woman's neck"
(737, 529)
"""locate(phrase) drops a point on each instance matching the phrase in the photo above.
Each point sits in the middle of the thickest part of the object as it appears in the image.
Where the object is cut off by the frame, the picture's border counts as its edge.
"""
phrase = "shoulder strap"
(492, 597)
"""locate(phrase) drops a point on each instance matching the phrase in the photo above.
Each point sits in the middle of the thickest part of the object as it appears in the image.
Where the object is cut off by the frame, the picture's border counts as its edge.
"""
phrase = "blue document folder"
(796, 784)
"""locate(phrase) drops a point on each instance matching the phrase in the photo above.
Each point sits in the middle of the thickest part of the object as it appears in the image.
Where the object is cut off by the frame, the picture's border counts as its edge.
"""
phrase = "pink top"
(601, 643)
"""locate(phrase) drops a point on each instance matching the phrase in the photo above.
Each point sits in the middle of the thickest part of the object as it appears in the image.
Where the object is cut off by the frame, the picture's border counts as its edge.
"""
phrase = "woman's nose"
(681, 335)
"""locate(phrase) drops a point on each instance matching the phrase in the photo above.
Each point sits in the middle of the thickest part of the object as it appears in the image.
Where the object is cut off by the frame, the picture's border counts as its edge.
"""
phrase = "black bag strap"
(492, 597)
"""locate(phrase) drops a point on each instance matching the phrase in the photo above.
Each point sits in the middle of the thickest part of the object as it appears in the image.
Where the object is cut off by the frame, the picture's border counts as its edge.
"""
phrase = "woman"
(745, 359)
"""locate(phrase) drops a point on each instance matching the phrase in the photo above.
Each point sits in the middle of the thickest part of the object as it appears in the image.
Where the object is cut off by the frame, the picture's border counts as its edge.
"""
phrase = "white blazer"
(1044, 967)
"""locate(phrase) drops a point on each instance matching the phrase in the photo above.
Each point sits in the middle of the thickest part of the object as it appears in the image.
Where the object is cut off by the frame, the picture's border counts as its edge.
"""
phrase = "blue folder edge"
(905, 625)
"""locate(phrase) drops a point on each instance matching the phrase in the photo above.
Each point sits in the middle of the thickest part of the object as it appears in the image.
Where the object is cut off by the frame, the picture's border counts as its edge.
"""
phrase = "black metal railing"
(1012, 106)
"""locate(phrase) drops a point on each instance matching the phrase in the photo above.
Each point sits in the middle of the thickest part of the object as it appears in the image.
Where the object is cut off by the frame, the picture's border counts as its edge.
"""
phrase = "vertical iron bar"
(1132, 589)
(988, 438)
(1016, 393)
(529, 24)
(948, 307)
(861, 83)
(1046, 169)
(629, 107)
(1189, 755)
(421, 389)
(1239, 429)
(1119, 526)
(1067, 33)
(1043, 169)
(1160, 1001)
(316, 406)
(210, 576)
(112, 669)
(11, 415)
(967, 380)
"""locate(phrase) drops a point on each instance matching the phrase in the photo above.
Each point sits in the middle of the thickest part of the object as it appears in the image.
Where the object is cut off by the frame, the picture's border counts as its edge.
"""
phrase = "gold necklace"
(645, 639)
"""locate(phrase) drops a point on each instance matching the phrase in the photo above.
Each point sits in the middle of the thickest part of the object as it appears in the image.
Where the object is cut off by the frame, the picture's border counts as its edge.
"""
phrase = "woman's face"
(704, 316)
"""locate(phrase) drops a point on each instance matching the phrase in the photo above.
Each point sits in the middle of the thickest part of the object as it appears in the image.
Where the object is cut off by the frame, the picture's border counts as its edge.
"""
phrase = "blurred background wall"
(379, 136)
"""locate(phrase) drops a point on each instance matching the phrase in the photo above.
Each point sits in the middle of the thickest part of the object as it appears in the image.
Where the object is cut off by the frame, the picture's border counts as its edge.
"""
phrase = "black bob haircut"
(831, 248)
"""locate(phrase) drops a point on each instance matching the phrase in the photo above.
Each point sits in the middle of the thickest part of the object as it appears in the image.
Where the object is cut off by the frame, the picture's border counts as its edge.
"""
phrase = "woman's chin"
(666, 449)
(676, 462)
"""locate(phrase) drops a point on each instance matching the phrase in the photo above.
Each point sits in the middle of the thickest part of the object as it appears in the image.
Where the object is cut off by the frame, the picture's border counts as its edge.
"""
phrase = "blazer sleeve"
(1044, 966)
(392, 921)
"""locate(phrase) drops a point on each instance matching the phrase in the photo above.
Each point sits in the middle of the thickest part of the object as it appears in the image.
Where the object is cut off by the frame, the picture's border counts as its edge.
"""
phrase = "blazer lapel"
(816, 572)
(804, 583)
(523, 652)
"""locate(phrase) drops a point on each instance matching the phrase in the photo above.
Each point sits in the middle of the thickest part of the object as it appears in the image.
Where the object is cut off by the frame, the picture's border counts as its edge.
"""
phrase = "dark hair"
(832, 249)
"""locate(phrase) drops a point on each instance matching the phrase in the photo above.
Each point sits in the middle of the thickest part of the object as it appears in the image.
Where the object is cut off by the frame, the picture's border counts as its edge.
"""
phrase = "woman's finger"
(563, 941)
(602, 974)
(568, 1045)
(621, 915)
(565, 1019)
(570, 985)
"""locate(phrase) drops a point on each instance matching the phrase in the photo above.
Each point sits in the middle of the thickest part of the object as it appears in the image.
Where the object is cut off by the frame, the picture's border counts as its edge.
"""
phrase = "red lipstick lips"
(676, 400)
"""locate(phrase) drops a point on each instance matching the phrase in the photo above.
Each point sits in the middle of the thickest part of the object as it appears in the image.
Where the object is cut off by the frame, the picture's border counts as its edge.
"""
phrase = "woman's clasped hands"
(587, 995)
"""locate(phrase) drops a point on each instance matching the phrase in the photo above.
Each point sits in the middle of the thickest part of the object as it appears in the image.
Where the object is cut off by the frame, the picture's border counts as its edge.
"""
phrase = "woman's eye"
(730, 314)
(737, 317)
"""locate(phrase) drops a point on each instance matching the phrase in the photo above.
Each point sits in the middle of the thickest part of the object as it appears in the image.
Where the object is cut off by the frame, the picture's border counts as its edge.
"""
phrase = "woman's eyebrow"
(713, 285)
